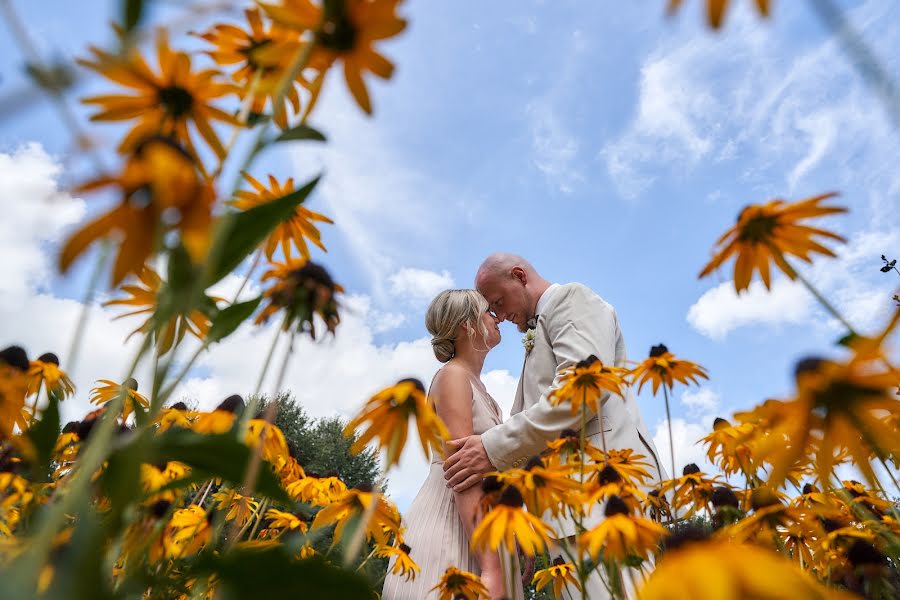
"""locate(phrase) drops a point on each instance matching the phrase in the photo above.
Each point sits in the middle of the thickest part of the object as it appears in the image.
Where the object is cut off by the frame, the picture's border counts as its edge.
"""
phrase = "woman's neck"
(471, 359)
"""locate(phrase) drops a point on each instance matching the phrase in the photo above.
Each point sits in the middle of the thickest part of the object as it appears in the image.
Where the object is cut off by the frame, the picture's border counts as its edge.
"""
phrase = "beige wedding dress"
(434, 530)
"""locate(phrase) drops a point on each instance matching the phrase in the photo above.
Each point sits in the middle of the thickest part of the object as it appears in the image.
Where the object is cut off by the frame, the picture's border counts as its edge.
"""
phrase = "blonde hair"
(449, 310)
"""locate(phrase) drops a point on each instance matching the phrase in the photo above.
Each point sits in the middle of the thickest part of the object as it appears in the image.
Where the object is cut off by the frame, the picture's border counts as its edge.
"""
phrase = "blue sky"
(610, 146)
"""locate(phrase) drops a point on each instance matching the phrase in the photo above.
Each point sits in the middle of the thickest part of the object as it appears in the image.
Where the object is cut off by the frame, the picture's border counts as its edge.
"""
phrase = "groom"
(570, 323)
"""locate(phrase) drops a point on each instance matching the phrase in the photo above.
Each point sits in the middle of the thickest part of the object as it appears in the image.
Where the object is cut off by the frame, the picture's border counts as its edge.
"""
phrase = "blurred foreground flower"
(164, 103)
(403, 563)
(387, 414)
(110, 390)
(303, 290)
(14, 367)
(296, 229)
(160, 191)
(621, 535)
(509, 524)
(355, 504)
(460, 585)
(771, 232)
(715, 10)
(45, 371)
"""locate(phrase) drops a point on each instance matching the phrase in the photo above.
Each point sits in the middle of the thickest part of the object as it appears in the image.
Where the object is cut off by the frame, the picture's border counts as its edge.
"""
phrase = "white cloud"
(554, 149)
(419, 286)
(35, 213)
(701, 400)
(721, 310)
(686, 434)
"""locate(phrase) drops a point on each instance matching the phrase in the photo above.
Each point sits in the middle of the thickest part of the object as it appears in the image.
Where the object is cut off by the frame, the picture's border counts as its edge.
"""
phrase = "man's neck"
(539, 288)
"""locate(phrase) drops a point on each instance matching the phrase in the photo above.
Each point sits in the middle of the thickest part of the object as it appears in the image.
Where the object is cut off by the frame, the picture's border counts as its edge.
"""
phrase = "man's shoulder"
(578, 292)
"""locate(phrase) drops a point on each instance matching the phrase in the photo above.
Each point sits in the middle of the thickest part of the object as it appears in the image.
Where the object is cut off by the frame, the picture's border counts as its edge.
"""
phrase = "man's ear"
(520, 274)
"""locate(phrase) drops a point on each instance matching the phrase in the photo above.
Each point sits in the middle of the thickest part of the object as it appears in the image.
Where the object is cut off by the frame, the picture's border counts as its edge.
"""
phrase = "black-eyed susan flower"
(110, 390)
(542, 487)
(401, 563)
(302, 289)
(240, 508)
(316, 491)
(164, 103)
(14, 367)
(608, 483)
(621, 535)
(279, 521)
(715, 10)
(626, 462)
(661, 368)
(274, 445)
(460, 585)
(45, 372)
(560, 574)
(386, 416)
(161, 191)
(188, 532)
(703, 570)
(586, 382)
(727, 450)
(508, 524)
(346, 32)
(260, 54)
(657, 506)
(771, 232)
(355, 503)
(694, 489)
(293, 232)
(142, 296)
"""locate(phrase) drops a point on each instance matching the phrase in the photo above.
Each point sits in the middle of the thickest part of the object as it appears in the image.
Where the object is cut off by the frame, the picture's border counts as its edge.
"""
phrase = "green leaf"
(300, 132)
(132, 11)
(43, 436)
(214, 456)
(79, 572)
(230, 318)
(240, 233)
(847, 340)
(272, 573)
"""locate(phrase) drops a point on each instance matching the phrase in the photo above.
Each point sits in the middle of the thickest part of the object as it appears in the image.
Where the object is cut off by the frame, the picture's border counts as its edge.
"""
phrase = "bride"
(439, 521)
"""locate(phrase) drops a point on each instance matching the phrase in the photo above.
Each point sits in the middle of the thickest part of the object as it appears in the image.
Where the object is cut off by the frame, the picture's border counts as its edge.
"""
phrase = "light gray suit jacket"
(574, 324)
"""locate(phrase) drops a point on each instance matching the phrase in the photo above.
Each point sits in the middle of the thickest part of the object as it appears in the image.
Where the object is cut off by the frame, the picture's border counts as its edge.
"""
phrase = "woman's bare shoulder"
(451, 381)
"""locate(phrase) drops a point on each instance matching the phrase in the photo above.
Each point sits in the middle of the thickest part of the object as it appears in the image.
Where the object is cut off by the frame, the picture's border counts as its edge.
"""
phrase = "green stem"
(669, 422)
(37, 396)
(823, 301)
(268, 361)
(84, 313)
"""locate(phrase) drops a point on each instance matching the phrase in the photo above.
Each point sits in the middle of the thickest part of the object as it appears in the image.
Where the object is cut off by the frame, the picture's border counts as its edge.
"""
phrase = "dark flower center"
(406, 549)
(251, 49)
(337, 32)
(616, 506)
(719, 423)
(722, 496)
(690, 469)
(608, 475)
(534, 461)
(176, 100)
(416, 383)
(490, 484)
(558, 561)
(758, 229)
(658, 350)
(49, 357)
(511, 496)
(584, 364)
(130, 384)
(15, 357)
(233, 404)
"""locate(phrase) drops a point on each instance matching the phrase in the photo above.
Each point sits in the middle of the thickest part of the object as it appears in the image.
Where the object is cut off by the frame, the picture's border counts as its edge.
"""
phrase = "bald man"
(570, 323)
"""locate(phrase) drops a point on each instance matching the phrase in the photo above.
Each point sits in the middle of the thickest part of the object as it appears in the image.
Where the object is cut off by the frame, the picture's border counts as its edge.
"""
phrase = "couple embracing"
(569, 323)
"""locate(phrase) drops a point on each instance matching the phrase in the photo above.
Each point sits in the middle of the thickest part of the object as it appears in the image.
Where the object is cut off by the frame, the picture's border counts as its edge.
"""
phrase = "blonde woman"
(439, 521)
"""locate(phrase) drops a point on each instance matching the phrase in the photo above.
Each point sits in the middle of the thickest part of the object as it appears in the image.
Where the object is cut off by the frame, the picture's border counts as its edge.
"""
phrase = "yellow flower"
(242, 508)
(142, 296)
(275, 448)
(262, 53)
(403, 564)
(608, 483)
(625, 462)
(161, 191)
(560, 574)
(355, 503)
(508, 524)
(543, 488)
(662, 368)
(837, 404)
(14, 367)
(303, 289)
(316, 491)
(176, 415)
(772, 231)
(715, 10)
(296, 229)
(164, 103)
(716, 570)
(586, 382)
(343, 31)
(45, 370)
(460, 585)
(387, 415)
(110, 390)
(284, 521)
(187, 532)
(693, 488)
(621, 535)
(726, 450)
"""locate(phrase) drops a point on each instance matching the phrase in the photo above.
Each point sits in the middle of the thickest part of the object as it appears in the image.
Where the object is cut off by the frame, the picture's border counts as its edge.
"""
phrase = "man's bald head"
(512, 287)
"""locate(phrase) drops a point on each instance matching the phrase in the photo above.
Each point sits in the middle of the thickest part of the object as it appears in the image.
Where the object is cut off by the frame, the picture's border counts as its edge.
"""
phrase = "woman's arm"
(452, 395)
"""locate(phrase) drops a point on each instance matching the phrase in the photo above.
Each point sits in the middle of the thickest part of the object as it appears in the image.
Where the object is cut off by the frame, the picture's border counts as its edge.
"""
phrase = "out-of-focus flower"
(14, 367)
(727, 450)
(303, 290)
(387, 416)
(560, 574)
(281, 521)
(343, 31)
(45, 371)
(459, 585)
(543, 488)
(403, 564)
(704, 570)
(354, 503)
(296, 229)
(142, 296)
(771, 232)
(275, 449)
(317, 491)
(715, 10)
(621, 535)
(625, 462)
(662, 368)
(164, 103)
(241, 508)
(694, 489)
(509, 524)
(161, 191)
(187, 532)
(586, 382)
(110, 390)
(261, 55)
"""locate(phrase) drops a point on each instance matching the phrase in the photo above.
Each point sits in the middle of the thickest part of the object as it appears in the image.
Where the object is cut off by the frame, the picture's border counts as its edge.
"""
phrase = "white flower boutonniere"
(528, 340)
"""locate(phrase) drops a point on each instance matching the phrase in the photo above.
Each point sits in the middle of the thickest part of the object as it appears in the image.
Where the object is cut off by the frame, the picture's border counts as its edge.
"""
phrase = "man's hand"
(468, 463)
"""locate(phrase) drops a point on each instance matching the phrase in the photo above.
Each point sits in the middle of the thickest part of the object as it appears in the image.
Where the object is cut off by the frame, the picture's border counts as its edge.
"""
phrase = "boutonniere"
(528, 340)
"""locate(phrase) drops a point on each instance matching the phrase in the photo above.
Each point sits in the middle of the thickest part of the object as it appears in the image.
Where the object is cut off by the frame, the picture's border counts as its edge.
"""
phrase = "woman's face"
(492, 325)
